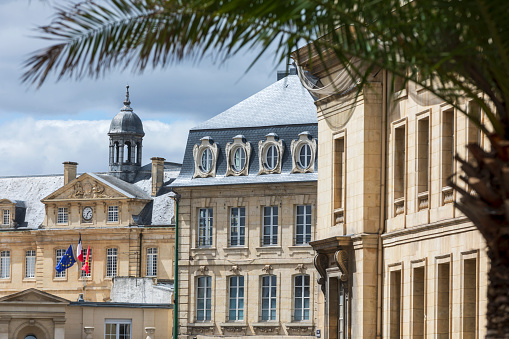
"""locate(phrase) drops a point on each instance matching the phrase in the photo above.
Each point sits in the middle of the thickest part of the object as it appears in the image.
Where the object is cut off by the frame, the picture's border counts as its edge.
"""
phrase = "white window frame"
(270, 238)
(269, 285)
(308, 156)
(30, 264)
(111, 262)
(151, 262)
(59, 254)
(6, 217)
(117, 322)
(83, 273)
(273, 158)
(206, 160)
(113, 213)
(62, 215)
(236, 296)
(237, 226)
(204, 283)
(239, 159)
(301, 294)
(205, 227)
(5, 264)
(303, 236)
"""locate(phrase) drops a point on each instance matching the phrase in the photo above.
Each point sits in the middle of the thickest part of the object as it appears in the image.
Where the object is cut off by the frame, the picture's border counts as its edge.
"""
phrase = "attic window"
(271, 154)
(303, 153)
(63, 215)
(6, 217)
(237, 156)
(205, 158)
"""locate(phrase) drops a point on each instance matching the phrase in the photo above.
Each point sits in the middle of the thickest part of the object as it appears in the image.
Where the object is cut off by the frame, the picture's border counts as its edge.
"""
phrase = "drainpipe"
(176, 198)
(383, 192)
(140, 256)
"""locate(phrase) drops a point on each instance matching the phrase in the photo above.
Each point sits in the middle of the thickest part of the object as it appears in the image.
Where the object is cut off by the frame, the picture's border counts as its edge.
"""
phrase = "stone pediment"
(85, 187)
(33, 295)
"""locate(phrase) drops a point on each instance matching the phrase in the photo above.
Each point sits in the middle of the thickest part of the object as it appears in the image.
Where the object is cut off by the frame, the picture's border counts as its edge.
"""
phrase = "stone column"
(4, 327)
(59, 328)
(150, 332)
(89, 331)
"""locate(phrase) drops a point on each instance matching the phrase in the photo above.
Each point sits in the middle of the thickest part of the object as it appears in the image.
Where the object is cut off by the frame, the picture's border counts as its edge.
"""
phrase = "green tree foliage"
(454, 48)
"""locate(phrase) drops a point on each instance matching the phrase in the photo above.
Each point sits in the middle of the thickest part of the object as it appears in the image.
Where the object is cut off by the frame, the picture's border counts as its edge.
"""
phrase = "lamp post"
(176, 198)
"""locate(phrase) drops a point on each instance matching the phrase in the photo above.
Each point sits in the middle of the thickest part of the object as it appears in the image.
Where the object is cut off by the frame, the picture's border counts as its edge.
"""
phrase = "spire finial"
(127, 102)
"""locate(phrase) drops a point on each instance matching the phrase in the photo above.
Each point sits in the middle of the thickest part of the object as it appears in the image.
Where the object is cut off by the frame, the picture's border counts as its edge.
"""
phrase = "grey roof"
(129, 190)
(285, 102)
(126, 122)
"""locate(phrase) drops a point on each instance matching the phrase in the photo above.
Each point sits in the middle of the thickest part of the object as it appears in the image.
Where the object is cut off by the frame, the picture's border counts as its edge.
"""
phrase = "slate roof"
(284, 108)
(285, 102)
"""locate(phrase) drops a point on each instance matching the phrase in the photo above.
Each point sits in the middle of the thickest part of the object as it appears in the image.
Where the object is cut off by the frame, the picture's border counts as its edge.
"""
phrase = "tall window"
(422, 154)
(271, 157)
(469, 298)
(304, 156)
(151, 262)
(203, 298)
(30, 264)
(58, 256)
(447, 145)
(418, 309)
(269, 301)
(6, 217)
(399, 162)
(112, 213)
(395, 304)
(5, 264)
(206, 160)
(111, 262)
(303, 225)
(237, 226)
(62, 215)
(205, 226)
(84, 273)
(236, 305)
(301, 298)
(443, 304)
(117, 329)
(270, 225)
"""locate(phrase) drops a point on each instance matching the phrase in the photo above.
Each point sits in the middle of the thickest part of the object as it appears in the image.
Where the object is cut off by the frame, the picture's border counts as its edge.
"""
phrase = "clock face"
(88, 212)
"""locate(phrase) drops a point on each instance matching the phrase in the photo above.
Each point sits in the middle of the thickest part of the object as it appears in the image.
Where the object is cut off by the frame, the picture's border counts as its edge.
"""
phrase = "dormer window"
(6, 219)
(270, 154)
(238, 153)
(62, 215)
(205, 158)
(303, 153)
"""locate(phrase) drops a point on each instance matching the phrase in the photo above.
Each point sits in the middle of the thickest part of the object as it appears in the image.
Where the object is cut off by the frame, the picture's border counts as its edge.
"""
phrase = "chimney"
(157, 174)
(70, 169)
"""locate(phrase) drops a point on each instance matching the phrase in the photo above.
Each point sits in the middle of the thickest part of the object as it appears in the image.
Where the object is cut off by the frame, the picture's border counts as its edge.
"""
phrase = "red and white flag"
(86, 265)
(79, 251)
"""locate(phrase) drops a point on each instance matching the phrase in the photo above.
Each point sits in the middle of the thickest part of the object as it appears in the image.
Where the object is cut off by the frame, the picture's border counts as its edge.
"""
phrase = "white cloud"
(30, 146)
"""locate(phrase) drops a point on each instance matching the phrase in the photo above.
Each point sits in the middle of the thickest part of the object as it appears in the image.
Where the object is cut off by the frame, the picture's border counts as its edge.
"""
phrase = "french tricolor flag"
(79, 250)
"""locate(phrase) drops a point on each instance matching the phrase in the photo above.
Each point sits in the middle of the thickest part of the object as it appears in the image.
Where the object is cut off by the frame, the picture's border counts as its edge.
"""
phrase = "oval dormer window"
(206, 160)
(239, 159)
(304, 156)
(271, 157)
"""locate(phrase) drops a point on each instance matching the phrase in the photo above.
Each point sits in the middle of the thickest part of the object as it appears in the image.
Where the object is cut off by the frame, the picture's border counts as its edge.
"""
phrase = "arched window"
(206, 160)
(271, 157)
(239, 159)
(117, 151)
(127, 152)
(304, 156)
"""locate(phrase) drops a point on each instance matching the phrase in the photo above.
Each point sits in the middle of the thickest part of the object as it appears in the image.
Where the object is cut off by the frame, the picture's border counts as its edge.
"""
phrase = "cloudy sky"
(69, 120)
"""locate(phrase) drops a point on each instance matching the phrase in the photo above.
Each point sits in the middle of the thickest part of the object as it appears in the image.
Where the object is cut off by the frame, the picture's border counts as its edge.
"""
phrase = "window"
(206, 160)
(239, 159)
(469, 298)
(112, 213)
(62, 216)
(269, 285)
(30, 264)
(304, 156)
(395, 304)
(83, 273)
(236, 305)
(237, 226)
(399, 169)
(447, 145)
(271, 157)
(6, 217)
(117, 329)
(205, 225)
(422, 155)
(151, 262)
(418, 307)
(301, 298)
(443, 305)
(339, 181)
(5, 264)
(303, 225)
(203, 298)
(59, 255)
(111, 262)
(270, 225)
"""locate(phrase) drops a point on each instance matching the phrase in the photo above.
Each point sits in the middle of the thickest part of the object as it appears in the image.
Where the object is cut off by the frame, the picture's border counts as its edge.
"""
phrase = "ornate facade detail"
(267, 269)
(235, 269)
(321, 263)
(205, 158)
(300, 329)
(270, 154)
(303, 153)
(87, 190)
(301, 268)
(201, 328)
(266, 328)
(202, 270)
(234, 328)
(238, 154)
(341, 259)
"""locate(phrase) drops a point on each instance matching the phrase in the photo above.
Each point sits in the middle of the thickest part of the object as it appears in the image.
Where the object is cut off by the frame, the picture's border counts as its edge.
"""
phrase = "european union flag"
(66, 261)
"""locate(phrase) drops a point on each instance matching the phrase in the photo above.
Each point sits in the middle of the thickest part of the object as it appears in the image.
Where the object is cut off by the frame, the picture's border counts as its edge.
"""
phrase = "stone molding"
(198, 149)
(295, 146)
(230, 149)
(272, 139)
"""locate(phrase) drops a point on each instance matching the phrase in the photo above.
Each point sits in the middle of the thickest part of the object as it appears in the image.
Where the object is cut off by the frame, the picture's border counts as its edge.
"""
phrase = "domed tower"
(126, 137)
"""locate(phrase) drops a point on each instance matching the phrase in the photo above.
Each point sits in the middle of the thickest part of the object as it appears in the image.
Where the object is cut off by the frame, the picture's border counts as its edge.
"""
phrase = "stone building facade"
(247, 212)
(394, 257)
(125, 217)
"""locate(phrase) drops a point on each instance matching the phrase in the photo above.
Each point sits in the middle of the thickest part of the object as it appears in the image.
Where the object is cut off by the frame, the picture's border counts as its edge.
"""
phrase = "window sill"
(205, 327)
(304, 327)
(203, 252)
(239, 250)
(269, 327)
(301, 249)
(29, 279)
(60, 279)
(269, 250)
(234, 327)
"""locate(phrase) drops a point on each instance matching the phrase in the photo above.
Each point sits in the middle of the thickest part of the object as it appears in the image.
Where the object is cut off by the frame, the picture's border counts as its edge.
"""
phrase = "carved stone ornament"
(238, 154)
(267, 269)
(321, 263)
(267, 328)
(235, 269)
(205, 158)
(341, 259)
(309, 154)
(88, 189)
(202, 270)
(301, 268)
(201, 329)
(272, 165)
(234, 328)
(300, 329)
